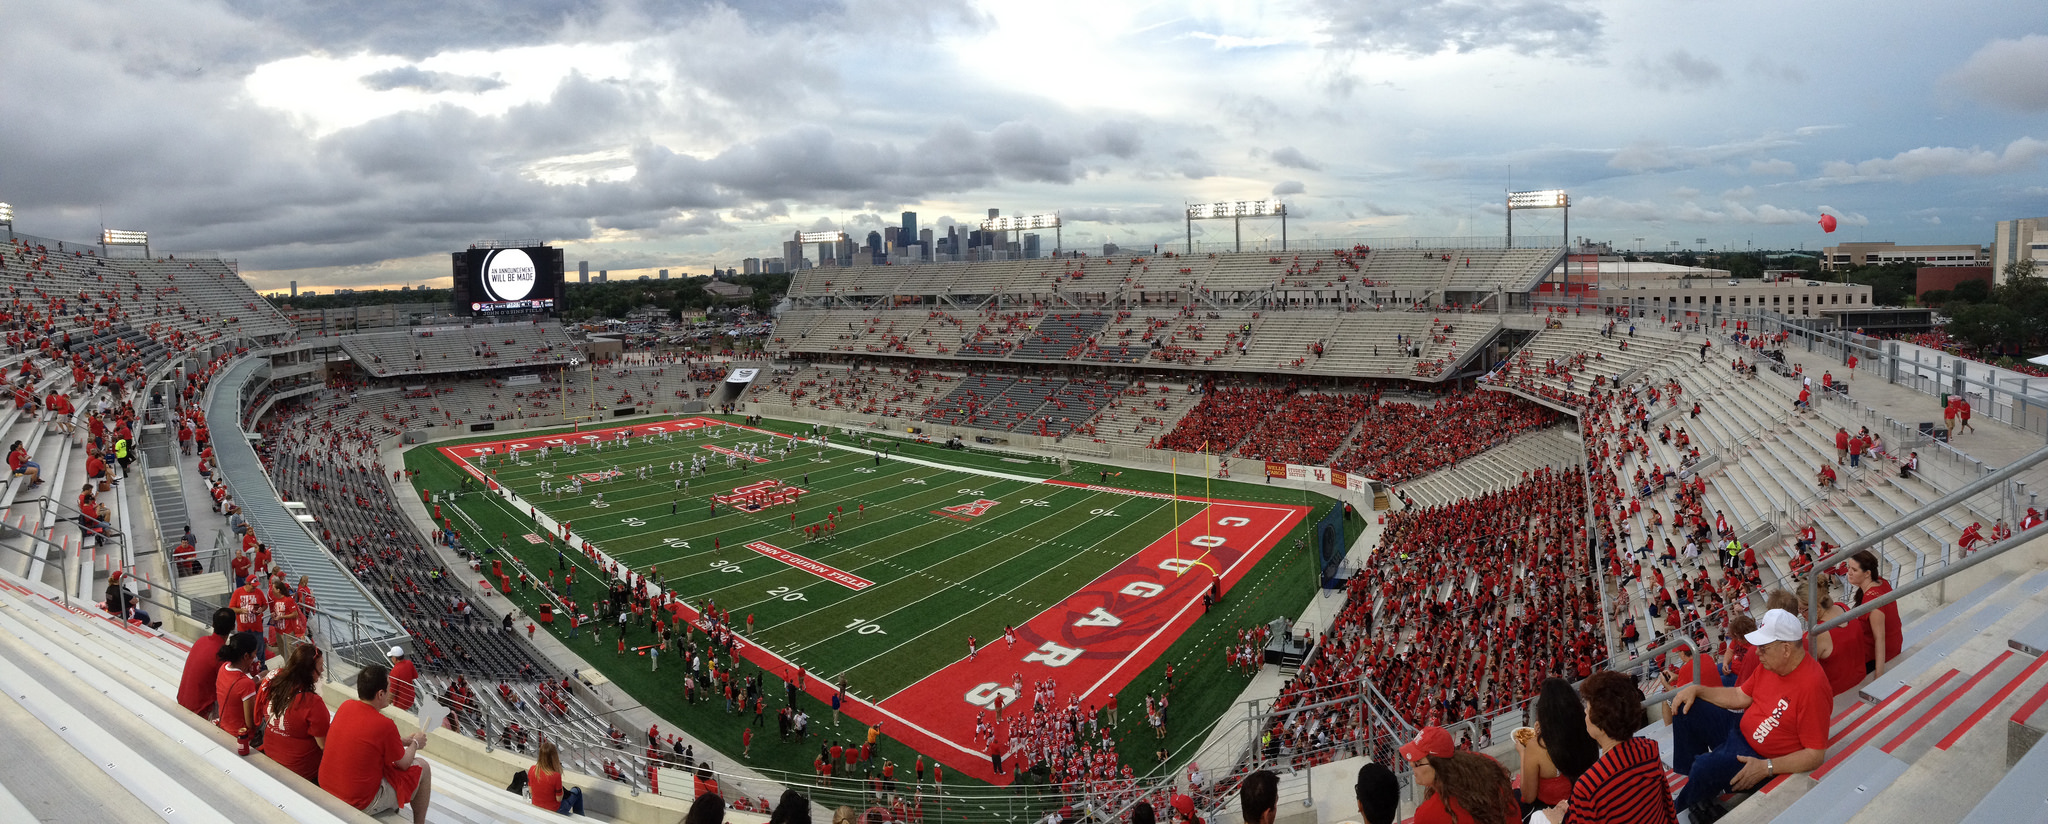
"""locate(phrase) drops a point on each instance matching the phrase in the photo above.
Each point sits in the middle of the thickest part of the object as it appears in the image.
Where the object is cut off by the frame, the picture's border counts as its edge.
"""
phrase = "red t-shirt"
(1894, 631)
(202, 672)
(249, 598)
(1788, 713)
(404, 676)
(1743, 663)
(546, 786)
(288, 738)
(231, 686)
(284, 613)
(1844, 666)
(1440, 809)
(362, 745)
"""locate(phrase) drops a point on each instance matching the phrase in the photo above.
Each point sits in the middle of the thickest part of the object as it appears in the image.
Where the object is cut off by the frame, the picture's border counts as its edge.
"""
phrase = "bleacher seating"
(427, 351)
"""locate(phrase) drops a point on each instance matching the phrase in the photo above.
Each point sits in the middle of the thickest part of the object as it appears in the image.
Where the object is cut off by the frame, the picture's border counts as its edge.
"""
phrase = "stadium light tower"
(1541, 199)
(7, 217)
(1237, 211)
(122, 237)
(1021, 224)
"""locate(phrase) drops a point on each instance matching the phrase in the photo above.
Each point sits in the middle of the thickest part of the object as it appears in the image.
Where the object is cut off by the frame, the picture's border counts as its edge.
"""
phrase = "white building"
(2017, 240)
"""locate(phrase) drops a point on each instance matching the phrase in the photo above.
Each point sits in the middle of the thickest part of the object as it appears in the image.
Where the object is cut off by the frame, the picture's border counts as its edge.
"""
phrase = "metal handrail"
(1901, 524)
(1874, 604)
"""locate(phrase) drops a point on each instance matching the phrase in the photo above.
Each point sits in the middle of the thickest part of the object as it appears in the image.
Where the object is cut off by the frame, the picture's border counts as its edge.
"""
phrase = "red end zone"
(1098, 639)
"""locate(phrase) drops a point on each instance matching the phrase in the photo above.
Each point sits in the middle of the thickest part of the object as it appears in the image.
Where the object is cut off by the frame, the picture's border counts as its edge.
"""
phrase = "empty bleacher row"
(1311, 342)
(897, 392)
(1049, 407)
(176, 302)
(426, 351)
(1389, 275)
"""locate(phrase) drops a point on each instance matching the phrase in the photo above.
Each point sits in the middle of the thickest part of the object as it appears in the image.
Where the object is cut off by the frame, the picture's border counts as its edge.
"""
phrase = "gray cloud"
(1780, 71)
(1292, 158)
(2009, 74)
(2019, 157)
(1289, 187)
(414, 77)
(1432, 26)
(1679, 70)
(419, 30)
(1127, 215)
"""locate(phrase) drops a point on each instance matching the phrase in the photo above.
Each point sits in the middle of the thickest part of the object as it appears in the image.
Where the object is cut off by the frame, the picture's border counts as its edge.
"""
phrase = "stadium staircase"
(1498, 468)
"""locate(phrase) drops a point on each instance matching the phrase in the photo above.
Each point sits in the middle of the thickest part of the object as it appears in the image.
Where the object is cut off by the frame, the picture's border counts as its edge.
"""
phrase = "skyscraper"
(751, 266)
(582, 271)
(664, 274)
(908, 232)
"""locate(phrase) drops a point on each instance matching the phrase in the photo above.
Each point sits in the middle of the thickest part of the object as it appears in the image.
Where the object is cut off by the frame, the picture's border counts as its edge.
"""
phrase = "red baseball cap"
(1431, 741)
(1184, 805)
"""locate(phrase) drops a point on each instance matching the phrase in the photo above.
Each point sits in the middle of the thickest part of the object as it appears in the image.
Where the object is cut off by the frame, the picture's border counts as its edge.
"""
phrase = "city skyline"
(649, 134)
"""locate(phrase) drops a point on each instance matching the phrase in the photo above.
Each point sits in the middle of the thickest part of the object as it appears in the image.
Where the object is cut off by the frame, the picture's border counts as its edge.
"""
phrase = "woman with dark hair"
(1626, 785)
(295, 718)
(709, 808)
(234, 689)
(1557, 752)
(1462, 787)
(705, 782)
(1144, 814)
(1886, 633)
(792, 808)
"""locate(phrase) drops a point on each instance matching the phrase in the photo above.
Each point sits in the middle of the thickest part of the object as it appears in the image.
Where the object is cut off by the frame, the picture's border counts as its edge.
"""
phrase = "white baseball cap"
(396, 652)
(1777, 625)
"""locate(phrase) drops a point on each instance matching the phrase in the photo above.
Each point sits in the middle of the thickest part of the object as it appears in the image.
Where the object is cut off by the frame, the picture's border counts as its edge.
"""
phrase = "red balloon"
(1827, 223)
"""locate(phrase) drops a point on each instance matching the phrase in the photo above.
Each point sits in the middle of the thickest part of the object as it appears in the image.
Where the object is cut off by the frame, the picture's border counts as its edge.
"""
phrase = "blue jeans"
(1705, 744)
(572, 801)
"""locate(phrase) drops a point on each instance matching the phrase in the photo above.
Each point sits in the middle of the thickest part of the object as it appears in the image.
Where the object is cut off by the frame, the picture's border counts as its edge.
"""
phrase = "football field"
(879, 569)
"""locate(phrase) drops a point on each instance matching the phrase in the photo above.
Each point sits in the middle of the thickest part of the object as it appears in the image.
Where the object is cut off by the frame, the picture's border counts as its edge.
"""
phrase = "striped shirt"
(1626, 786)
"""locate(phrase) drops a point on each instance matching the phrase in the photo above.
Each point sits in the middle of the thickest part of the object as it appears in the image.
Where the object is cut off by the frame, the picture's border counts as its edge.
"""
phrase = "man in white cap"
(1783, 727)
(404, 676)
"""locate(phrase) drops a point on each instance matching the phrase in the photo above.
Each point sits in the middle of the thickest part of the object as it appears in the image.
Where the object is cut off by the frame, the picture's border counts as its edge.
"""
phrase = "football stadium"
(1181, 520)
(1087, 537)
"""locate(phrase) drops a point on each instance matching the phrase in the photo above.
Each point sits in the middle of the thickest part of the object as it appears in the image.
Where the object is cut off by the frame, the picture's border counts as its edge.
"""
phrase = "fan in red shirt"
(195, 687)
(366, 764)
(250, 605)
(1783, 727)
(1886, 635)
(404, 677)
(234, 689)
(1461, 787)
(295, 719)
(286, 621)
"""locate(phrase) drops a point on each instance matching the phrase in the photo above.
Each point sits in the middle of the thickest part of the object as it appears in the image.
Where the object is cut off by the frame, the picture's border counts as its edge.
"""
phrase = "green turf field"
(936, 580)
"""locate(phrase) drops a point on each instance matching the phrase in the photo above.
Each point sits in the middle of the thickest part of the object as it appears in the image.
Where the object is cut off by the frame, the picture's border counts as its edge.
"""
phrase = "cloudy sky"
(356, 144)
